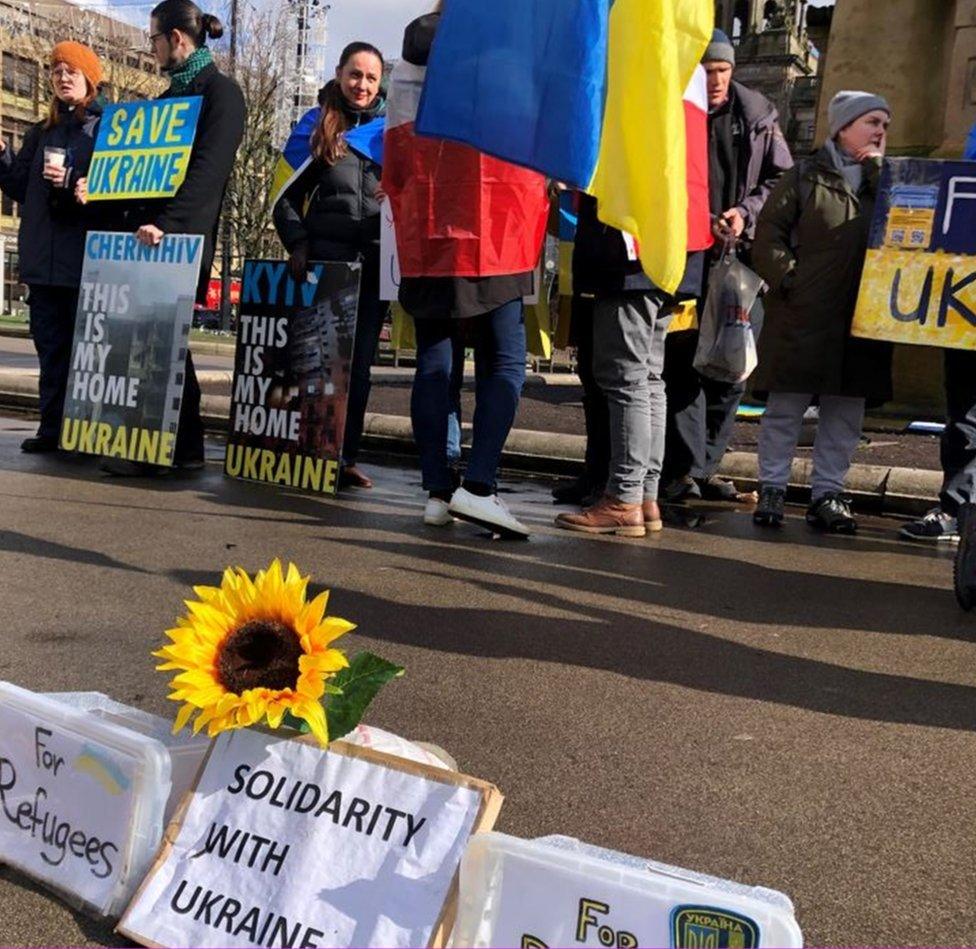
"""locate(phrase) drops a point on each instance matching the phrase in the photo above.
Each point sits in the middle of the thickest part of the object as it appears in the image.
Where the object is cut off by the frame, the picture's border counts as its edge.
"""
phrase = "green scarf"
(181, 78)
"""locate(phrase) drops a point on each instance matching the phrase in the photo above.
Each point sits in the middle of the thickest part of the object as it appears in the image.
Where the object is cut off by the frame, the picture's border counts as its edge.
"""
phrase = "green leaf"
(360, 682)
(293, 721)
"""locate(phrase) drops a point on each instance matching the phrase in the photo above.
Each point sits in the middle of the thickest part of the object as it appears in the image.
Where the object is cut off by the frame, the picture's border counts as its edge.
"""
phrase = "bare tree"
(261, 52)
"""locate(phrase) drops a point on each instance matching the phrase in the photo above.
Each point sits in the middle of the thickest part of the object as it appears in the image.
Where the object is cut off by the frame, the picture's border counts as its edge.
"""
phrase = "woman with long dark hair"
(331, 212)
(41, 177)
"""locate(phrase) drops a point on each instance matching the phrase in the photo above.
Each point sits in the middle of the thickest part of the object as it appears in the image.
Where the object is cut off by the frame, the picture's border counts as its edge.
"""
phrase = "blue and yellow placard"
(919, 280)
(143, 149)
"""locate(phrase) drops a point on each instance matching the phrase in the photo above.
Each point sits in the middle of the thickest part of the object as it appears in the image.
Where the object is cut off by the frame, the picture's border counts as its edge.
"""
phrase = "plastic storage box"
(558, 891)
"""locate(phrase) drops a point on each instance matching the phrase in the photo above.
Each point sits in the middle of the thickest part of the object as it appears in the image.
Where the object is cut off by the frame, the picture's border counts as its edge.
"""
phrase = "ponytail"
(187, 17)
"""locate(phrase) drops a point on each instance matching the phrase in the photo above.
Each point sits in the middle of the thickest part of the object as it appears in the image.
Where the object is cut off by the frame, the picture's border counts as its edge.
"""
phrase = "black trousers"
(52, 327)
(369, 323)
(596, 413)
(701, 412)
(189, 436)
(958, 447)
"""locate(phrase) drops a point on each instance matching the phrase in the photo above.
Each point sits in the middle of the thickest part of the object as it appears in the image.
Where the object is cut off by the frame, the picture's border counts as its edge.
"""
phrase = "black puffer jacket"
(52, 224)
(332, 209)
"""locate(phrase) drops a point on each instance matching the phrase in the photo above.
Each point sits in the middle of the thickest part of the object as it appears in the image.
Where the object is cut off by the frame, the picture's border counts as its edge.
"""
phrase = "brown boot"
(652, 516)
(607, 516)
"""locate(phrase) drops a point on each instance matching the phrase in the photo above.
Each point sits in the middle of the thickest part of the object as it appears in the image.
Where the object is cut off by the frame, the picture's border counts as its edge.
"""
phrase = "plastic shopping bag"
(730, 325)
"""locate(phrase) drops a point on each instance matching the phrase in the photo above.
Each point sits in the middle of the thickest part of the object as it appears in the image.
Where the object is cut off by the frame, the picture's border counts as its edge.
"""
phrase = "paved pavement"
(779, 708)
(550, 403)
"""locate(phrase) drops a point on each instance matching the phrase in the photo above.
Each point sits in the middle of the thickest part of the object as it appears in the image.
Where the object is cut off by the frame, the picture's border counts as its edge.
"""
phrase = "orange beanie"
(81, 57)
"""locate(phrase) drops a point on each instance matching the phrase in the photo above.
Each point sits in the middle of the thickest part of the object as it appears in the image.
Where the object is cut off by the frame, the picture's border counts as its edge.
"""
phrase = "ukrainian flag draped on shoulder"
(366, 139)
(589, 92)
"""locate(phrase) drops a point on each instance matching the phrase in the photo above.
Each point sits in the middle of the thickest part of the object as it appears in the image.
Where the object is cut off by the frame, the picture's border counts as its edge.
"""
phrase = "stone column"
(960, 92)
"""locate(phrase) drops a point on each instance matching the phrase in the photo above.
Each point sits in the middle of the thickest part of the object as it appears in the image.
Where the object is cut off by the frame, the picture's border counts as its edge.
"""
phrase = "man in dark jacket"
(178, 33)
(746, 155)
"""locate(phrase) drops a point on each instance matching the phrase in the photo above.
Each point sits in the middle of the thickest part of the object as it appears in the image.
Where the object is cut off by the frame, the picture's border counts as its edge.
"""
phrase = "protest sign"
(920, 270)
(389, 261)
(285, 844)
(81, 799)
(135, 308)
(143, 149)
(291, 374)
(558, 891)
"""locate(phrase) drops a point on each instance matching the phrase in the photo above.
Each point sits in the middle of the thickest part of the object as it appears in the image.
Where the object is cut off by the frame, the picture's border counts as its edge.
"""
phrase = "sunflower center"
(261, 654)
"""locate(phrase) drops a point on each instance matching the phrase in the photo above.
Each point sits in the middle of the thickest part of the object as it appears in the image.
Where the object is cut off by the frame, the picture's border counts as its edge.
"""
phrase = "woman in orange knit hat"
(41, 177)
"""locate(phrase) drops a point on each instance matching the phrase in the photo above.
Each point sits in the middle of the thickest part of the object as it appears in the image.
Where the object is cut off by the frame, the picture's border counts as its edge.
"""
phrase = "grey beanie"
(720, 50)
(849, 105)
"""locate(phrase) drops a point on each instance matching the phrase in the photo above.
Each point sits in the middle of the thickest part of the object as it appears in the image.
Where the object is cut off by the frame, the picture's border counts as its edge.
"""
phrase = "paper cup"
(54, 156)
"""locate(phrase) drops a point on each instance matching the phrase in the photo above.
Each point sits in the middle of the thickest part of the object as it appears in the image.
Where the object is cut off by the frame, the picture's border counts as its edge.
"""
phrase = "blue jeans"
(499, 360)
(454, 419)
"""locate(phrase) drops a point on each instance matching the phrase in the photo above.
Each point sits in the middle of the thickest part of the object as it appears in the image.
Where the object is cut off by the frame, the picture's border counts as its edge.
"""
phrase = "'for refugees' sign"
(919, 280)
(285, 844)
(143, 149)
(66, 802)
(135, 308)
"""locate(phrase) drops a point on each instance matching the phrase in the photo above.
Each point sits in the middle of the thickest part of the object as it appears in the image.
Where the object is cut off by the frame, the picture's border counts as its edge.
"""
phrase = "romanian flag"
(366, 139)
(591, 93)
(458, 211)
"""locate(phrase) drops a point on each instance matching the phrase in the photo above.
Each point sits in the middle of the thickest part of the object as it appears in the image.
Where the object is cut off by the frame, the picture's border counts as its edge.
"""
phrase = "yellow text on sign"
(148, 129)
(912, 297)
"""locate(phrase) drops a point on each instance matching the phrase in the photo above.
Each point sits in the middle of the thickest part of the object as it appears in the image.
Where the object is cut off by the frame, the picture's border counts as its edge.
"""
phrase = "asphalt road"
(777, 708)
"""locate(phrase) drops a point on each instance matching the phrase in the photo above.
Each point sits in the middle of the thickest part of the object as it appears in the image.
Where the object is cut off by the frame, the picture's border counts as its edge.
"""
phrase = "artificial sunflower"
(254, 649)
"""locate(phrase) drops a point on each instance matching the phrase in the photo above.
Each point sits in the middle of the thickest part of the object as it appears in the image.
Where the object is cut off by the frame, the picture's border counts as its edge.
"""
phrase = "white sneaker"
(489, 512)
(436, 513)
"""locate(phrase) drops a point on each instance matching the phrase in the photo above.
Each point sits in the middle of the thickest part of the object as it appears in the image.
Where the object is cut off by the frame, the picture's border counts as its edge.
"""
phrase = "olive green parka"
(811, 240)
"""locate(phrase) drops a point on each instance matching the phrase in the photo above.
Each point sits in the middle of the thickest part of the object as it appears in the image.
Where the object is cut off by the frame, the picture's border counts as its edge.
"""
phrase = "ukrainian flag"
(365, 139)
(589, 92)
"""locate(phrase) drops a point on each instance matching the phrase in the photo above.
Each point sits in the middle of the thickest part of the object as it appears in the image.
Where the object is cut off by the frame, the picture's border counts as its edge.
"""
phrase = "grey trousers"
(838, 434)
(628, 360)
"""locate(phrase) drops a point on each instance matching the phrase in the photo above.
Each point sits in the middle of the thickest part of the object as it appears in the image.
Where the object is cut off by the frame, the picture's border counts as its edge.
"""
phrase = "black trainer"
(770, 509)
(832, 513)
(39, 444)
(575, 492)
(964, 568)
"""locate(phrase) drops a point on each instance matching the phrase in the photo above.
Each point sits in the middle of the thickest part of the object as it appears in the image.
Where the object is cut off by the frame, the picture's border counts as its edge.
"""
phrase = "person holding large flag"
(330, 211)
(469, 234)
(178, 33)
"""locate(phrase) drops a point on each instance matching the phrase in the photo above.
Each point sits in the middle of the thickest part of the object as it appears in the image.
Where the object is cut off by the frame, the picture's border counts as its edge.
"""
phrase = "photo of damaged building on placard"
(291, 373)
(128, 359)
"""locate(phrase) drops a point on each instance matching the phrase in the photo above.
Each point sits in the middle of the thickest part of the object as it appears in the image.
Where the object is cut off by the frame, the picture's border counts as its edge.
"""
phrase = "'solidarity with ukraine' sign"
(143, 149)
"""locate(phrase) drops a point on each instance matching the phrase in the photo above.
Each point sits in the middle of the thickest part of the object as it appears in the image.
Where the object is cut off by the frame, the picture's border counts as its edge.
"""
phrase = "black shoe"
(573, 492)
(682, 489)
(715, 488)
(832, 513)
(39, 444)
(769, 512)
(964, 568)
(190, 464)
(121, 468)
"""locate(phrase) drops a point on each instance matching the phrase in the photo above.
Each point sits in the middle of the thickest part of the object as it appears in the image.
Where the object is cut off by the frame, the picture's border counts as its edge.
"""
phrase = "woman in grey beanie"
(811, 240)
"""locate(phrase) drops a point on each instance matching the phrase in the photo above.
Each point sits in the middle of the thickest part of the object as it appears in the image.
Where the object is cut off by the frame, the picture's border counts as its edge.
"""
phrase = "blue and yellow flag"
(589, 92)
(365, 139)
